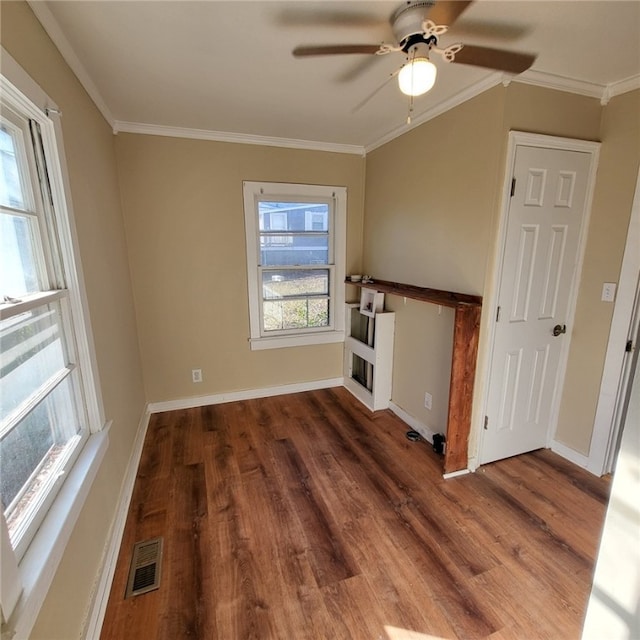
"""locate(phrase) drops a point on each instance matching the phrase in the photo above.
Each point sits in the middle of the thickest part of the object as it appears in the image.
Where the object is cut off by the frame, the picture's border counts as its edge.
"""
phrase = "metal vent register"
(146, 562)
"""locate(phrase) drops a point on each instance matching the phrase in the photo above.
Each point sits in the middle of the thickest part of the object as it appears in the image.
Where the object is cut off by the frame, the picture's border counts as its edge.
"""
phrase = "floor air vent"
(144, 574)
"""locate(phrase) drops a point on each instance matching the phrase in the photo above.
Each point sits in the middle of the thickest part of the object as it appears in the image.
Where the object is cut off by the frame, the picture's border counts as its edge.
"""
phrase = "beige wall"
(430, 208)
(185, 229)
(553, 113)
(613, 197)
(432, 202)
(430, 199)
(91, 163)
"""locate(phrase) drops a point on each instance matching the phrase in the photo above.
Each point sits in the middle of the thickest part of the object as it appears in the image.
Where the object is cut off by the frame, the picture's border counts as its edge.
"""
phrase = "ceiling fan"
(416, 26)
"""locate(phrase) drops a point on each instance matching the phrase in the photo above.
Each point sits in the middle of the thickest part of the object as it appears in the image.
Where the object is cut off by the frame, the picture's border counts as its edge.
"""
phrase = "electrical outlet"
(196, 375)
(428, 400)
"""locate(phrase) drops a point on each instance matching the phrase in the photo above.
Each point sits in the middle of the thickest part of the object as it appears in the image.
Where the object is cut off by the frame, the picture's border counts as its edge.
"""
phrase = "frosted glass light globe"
(417, 77)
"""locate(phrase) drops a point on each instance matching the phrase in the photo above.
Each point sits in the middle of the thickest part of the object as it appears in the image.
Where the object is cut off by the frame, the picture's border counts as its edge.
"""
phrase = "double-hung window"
(48, 398)
(295, 263)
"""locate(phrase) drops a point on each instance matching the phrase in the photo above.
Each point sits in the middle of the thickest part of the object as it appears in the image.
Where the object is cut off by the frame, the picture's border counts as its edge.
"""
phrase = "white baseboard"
(569, 454)
(455, 474)
(415, 424)
(95, 618)
(249, 394)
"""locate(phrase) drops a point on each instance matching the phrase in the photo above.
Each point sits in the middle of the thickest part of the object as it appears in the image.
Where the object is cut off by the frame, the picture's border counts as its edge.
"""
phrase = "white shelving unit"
(368, 355)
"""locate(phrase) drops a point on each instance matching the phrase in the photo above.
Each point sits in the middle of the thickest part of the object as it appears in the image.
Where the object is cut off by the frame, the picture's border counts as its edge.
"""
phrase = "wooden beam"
(435, 296)
(463, 371)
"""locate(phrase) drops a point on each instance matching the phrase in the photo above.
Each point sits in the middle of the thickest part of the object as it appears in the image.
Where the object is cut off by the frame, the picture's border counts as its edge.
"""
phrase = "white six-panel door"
(545, 220)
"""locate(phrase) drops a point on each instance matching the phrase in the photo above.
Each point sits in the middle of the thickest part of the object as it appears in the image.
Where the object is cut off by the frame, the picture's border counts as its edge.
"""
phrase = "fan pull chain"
(410, 113)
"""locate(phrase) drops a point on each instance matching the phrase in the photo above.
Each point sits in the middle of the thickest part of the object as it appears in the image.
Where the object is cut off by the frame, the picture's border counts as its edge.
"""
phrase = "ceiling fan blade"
(448, 11)
(333, 49)
(510, 61)
(360, 66)
(375, 92)
(468, 29)
(301, 16)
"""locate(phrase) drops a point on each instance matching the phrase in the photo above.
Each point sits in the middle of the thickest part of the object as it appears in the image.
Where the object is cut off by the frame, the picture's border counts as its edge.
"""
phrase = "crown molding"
(618, 88)
(561, 83)
(470, 92)
(51, 26)
(238, 138)
(604, 93)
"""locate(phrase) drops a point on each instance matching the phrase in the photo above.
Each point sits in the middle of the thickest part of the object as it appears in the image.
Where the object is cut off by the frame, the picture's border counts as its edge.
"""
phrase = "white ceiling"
(227, 67)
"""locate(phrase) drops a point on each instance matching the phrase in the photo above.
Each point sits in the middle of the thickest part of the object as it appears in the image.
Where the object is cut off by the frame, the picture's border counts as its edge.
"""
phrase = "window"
(48, 398)
(295, 263)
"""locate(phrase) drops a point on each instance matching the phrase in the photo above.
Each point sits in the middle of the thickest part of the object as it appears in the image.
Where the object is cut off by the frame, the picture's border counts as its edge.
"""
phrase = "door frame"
(517, 139)
(615, 375)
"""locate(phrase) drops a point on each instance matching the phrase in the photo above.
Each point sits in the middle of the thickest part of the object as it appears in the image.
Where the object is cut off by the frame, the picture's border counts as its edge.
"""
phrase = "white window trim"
(36, 569)
(252, 191)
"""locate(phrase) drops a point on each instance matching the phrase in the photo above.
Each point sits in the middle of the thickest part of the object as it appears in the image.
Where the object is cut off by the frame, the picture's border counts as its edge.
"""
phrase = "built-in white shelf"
(368, 355)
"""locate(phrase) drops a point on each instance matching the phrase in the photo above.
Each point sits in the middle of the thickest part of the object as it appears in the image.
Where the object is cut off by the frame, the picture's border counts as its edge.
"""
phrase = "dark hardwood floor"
(306, 516)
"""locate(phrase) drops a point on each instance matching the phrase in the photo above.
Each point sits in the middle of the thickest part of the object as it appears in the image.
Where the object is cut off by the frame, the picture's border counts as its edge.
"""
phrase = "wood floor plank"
(523, 606)
(522, 544)
(383, 572)
(559, 506)
(307, 516)
(411, 523)
(239, 610)
(278, 577)
(330, 560)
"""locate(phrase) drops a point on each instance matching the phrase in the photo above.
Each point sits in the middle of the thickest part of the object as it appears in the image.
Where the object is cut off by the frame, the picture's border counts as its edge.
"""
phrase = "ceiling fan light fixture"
(417, 77)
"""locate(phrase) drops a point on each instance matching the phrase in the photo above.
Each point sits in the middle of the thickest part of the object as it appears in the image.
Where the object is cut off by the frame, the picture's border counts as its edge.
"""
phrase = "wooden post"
(463, 368)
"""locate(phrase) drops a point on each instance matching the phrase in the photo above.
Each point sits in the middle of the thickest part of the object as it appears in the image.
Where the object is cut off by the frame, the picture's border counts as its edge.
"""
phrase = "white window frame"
(337, 197)
(27, 573)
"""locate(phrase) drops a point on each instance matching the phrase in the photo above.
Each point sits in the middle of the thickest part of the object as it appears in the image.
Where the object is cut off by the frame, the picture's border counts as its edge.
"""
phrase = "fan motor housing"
(408, 19)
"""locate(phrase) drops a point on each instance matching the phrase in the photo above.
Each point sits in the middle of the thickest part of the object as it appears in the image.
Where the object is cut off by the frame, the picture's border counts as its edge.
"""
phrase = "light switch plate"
(608, 291)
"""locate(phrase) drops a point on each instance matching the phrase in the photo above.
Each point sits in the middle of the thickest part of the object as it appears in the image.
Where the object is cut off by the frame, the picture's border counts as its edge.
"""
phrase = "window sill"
(279, 342)
(40, 562)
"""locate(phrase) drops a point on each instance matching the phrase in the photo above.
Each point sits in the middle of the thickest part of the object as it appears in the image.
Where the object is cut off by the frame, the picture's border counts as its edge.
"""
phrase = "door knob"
(558, 329)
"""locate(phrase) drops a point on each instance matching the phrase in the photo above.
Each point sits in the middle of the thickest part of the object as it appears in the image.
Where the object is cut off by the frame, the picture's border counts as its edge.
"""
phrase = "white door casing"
(617, 366)
(544, 224)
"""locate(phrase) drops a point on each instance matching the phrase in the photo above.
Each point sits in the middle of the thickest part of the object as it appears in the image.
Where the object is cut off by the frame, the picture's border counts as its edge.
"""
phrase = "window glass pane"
(11, 194)
(31, 454)
(295, 298)
(293, 216)
(32, 352)
(287, 283)
(293, 250)
(295, 314)
(307, 240)
(18, 273)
